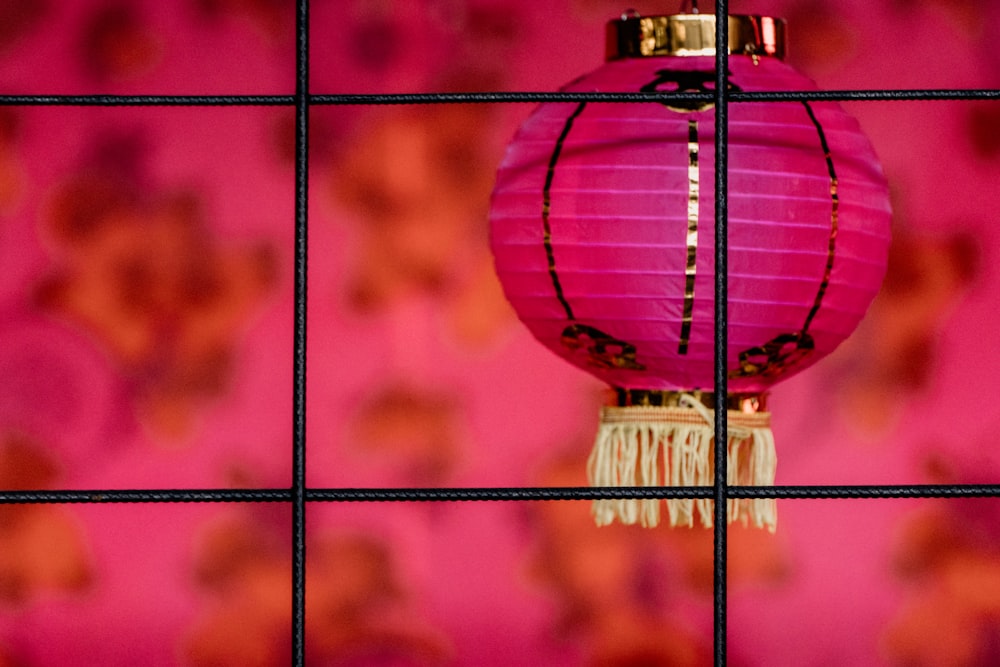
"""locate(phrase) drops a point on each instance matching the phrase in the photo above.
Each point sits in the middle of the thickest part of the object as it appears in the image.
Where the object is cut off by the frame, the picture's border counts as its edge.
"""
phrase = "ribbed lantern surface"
(602, 226)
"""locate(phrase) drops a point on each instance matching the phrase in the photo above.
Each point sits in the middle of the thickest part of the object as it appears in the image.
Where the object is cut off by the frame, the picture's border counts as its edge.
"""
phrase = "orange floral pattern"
(952, 618)
(146, 279)
(358, 606)
(42, 547)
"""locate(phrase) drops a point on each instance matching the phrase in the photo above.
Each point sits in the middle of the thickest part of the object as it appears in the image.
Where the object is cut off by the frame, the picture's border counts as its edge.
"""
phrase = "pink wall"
(145, 342)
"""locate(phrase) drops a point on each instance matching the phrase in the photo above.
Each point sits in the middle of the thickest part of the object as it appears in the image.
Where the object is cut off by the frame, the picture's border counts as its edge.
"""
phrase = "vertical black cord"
(301, 281)
(721, 335)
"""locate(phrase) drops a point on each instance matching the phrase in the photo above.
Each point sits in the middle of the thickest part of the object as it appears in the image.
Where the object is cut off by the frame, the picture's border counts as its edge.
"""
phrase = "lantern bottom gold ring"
(659, 438)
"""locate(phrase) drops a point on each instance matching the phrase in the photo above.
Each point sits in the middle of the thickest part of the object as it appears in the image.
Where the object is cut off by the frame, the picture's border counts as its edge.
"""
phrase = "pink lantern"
(602, 228)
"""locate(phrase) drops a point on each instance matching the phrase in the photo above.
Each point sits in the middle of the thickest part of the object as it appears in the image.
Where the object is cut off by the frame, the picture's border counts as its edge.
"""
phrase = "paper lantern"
(602, 228)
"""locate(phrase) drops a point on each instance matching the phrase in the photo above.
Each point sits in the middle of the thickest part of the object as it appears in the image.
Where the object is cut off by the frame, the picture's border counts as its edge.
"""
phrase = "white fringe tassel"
(674, 446)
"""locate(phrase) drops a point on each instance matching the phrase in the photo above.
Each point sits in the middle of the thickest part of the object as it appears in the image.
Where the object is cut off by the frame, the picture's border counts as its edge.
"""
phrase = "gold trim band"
(748, 403)
(646, 416)
(634, 36)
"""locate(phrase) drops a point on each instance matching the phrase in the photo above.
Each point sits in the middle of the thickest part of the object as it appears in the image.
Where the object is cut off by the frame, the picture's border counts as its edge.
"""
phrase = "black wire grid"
(299, 494)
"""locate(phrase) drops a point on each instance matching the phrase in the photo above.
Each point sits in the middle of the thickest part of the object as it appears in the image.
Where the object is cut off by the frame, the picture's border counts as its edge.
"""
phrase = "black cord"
(721, 378)
(298, 494)
(501, 97)
(494, 494)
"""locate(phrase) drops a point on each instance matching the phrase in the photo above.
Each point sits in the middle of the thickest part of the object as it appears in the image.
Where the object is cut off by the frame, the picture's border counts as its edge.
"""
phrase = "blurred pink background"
(146, 334)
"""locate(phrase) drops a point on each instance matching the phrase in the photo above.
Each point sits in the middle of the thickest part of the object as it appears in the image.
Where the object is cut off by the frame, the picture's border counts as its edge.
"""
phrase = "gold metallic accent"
(692, 237)
(547, 207)
(634, 36)
(747, 403)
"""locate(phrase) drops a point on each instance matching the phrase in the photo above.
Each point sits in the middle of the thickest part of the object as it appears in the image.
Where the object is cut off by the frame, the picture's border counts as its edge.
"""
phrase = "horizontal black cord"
(867, 95)
(505, 494)
(597, 493)
(509, 97)
(344, 99)
(659, 96)
(866, 491)
(147, 100)
(148, 496)
(496, 494)
(495, 98)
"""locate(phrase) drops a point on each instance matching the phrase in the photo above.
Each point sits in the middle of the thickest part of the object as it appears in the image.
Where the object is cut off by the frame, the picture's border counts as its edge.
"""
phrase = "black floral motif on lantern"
(602, 350)
(693, 81)
(775, 356)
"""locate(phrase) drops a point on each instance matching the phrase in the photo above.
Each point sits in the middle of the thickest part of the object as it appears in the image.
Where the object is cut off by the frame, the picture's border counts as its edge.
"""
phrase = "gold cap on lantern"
(740, 402)
(634, 36)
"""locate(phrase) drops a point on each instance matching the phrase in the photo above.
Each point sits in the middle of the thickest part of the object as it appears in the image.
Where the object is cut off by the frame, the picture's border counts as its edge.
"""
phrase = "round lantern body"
(602, 227)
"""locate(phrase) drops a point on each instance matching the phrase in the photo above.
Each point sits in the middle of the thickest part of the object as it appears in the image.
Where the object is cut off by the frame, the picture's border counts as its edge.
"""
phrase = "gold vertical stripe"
(547, 207)
(692, 237)
(834, 222)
